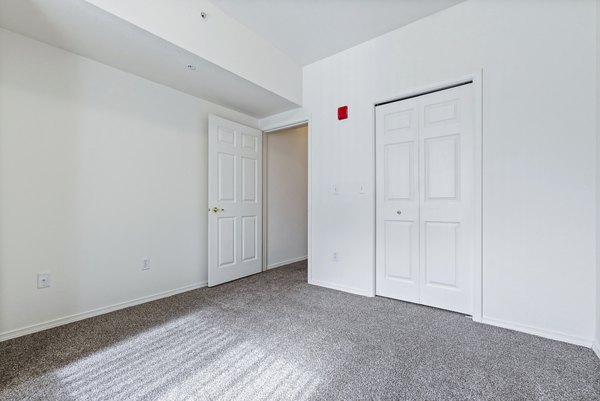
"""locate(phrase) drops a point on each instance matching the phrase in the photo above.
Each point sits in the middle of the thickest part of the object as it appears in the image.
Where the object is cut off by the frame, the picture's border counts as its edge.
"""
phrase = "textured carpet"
(272, 336)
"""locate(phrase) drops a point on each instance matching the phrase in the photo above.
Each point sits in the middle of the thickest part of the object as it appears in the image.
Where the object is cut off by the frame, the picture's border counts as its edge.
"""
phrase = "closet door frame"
(475, 79)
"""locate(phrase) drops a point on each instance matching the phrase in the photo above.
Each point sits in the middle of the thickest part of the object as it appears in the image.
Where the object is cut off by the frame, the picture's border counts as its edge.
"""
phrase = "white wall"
(287, 196)
(539, 106)
(98, 170)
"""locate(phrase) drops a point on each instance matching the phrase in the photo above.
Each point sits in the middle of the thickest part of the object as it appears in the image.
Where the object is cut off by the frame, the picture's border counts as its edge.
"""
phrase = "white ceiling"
(309, 30)
(81, 28)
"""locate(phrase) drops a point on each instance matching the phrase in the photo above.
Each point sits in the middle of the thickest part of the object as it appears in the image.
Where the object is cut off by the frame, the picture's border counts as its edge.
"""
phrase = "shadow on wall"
(287, 195)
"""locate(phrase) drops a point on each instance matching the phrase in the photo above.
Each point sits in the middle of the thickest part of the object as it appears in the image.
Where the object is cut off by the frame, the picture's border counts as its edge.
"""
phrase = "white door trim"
(265, 206)
(476, 79)
(291, 122)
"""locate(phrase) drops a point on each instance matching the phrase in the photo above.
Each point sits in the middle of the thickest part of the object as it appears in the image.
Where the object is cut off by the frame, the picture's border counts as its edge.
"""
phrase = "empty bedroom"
(299, 200)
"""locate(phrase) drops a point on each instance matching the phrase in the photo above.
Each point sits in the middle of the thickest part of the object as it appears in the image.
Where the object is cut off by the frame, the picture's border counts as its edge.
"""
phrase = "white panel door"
(447, 176)
(397, 247)
(234, 200)
(425, 199)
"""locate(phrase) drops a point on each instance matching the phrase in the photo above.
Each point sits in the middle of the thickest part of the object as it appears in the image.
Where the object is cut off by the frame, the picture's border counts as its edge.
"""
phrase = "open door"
(234, 201)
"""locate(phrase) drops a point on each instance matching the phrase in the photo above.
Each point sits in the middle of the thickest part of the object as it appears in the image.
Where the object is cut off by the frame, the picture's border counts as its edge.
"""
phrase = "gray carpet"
(272, 336)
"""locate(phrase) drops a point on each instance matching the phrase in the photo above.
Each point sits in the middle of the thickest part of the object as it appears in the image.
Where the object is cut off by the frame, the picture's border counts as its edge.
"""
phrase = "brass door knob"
(216, 209)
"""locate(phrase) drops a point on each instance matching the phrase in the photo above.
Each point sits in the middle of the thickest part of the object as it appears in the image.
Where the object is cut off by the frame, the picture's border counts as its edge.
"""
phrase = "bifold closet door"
(425, 168)
(397, 183)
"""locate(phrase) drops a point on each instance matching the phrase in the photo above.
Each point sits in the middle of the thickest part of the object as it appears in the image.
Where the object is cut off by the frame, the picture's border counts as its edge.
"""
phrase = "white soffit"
(217, 38)
(82, 28)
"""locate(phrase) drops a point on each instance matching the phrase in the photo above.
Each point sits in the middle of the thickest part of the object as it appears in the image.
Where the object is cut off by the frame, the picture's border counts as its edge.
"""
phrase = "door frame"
(290, 120)
(475, 79)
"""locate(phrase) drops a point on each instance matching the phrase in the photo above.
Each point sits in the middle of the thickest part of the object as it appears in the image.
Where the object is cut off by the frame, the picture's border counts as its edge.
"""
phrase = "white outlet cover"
(43, 280)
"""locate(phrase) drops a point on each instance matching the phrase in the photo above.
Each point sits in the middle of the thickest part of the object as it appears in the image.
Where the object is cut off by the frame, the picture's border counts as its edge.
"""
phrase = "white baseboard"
(286, 262)
(95, 312)
(596, 348)
(337, 287)
(536, 331)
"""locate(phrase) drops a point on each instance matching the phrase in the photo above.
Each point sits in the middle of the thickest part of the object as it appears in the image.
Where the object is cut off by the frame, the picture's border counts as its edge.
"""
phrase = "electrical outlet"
(335, 256)
(146, 264)
(43, 280)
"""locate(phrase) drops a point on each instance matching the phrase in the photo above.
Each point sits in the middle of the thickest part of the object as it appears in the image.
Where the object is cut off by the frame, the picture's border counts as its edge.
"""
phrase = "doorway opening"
(247, 235)
(285, 196)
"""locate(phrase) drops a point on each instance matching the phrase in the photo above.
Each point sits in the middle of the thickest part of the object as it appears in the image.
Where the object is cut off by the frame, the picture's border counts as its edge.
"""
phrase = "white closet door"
(397, 246)
(425, 199)
(447, 153)
(234, 200)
